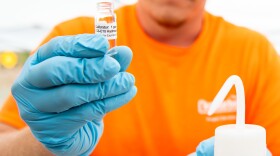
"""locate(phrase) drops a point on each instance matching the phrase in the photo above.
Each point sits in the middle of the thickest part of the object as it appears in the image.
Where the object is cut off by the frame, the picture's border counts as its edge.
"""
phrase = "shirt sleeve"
(9, 114)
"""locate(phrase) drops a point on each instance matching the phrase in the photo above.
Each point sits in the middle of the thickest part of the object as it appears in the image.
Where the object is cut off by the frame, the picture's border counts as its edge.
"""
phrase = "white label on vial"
(109, 30)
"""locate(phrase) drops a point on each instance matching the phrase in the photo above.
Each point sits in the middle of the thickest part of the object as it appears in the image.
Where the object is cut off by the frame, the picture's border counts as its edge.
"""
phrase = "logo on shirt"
(223, 113)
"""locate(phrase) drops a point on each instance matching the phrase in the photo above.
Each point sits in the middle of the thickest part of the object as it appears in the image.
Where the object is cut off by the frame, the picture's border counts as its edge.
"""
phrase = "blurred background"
(24, 23)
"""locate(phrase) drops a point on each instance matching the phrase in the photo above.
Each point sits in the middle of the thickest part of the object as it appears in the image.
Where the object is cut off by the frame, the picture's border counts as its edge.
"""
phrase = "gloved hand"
(206, 148)
(66, 88)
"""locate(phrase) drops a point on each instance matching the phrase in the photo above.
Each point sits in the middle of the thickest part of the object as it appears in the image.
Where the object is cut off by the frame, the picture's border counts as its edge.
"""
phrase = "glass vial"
(106, 24)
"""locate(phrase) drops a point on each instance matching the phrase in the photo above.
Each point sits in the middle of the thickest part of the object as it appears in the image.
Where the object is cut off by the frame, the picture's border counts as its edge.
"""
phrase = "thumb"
(123, 56)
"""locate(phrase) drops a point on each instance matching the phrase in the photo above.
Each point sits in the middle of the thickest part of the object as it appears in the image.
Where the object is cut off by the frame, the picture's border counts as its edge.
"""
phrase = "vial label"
(109, 30)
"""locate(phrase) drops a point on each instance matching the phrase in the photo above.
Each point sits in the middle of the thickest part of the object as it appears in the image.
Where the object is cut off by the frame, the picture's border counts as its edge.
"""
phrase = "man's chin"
(171, 23)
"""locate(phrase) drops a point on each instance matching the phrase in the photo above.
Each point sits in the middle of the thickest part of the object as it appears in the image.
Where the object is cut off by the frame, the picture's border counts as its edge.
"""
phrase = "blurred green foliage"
(22, 57)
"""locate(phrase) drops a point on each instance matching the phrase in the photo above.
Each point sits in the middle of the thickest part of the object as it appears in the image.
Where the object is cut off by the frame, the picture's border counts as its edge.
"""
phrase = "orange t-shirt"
(176, 86)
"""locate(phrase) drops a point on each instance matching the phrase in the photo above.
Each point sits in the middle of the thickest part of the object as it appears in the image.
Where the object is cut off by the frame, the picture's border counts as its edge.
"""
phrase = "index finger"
(79, 46)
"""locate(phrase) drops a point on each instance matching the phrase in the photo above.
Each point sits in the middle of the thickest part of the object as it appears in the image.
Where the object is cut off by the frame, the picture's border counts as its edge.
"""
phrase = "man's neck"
(182, 36)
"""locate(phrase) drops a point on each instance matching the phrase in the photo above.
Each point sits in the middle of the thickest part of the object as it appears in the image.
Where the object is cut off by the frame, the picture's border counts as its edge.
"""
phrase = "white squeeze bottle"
(238, 139)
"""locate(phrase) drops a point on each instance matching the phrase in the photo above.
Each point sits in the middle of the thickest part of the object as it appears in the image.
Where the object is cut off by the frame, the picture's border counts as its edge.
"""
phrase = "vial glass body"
(106, 24)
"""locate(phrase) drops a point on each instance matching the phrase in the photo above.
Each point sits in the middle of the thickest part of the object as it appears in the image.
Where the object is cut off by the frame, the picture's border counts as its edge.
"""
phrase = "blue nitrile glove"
(66, 88)
(206, 148)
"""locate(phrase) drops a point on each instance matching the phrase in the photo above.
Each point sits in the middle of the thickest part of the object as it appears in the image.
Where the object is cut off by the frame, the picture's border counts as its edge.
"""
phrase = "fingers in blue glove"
(206, 147)
(95, 111)
(76, 117)
(72, 75)
(73, 95)
(64, 70)
(123, 56)
(78, 46)
(91, 129)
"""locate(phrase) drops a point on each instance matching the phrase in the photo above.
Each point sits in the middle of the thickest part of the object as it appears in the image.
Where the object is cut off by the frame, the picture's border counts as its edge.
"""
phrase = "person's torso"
(176, 86)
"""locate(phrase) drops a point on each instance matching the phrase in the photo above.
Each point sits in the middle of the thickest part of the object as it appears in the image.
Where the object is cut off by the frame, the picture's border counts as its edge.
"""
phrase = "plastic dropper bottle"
(106, 23)
(238, 139)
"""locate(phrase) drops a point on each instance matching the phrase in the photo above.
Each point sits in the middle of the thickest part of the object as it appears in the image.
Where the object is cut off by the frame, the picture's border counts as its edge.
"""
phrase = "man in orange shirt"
(181, 57)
